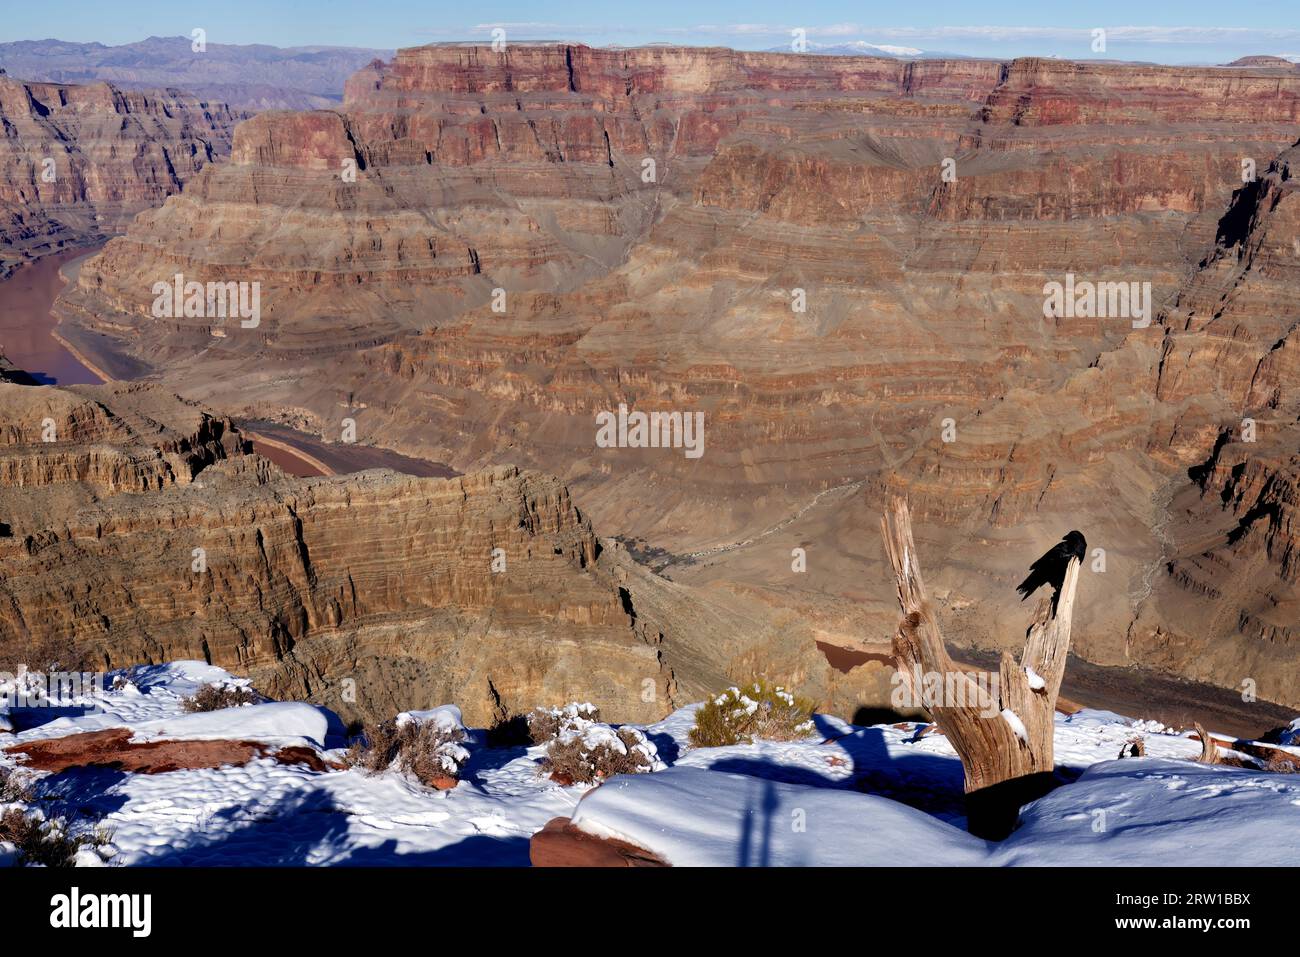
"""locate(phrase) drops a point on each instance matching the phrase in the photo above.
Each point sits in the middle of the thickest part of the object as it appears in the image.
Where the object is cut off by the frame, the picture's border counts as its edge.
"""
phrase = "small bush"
(760, 710)
(219, 697)
(14, 786)
(545, 724)
(45, 843)
(585, 752)
(430, 751)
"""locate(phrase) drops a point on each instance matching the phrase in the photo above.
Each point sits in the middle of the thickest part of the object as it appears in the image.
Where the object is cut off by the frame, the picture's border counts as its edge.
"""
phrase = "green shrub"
(759, 710)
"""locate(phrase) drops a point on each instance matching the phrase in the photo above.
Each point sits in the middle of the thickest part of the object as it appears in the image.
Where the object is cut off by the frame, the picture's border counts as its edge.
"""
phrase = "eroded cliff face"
(140, 529)
(1228, 358)
(78, 162)
(649, 217)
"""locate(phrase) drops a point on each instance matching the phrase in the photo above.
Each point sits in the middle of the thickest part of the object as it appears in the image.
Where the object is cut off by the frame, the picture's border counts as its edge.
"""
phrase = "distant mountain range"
(253, 78)
(862, 48)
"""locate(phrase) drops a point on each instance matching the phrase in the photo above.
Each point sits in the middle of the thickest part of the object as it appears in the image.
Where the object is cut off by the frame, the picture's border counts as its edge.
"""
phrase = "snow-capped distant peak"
(888, 48)
(856, 48)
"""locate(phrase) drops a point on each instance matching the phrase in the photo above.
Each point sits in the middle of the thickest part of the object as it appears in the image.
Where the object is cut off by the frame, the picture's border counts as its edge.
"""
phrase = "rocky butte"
(536, 236)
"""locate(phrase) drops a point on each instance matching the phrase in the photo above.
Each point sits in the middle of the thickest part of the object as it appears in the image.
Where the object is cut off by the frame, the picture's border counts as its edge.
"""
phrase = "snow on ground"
(844, 795)
(270, 814)
(695, 817)
(144, 694)
(1132, 812)
(445, 718)
(281, 722)
(1162, 813)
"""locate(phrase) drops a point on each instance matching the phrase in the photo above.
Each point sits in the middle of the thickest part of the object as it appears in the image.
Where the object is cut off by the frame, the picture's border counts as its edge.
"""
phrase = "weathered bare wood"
(1134, 747)
(1273, 759)
(1209, 750)
(997, 740)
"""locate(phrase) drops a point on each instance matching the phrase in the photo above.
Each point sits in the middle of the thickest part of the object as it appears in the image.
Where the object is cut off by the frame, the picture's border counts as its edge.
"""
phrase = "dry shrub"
(45, 843)
(37, 655)
(759, 710)
(545, 724)
(15, 786)
(585, 752)
(429, 751)
(220, 697)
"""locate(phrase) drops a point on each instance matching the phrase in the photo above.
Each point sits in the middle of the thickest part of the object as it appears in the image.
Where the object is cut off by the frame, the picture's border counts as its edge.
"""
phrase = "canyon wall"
(140, 529)
(78, 162)
(480, 251)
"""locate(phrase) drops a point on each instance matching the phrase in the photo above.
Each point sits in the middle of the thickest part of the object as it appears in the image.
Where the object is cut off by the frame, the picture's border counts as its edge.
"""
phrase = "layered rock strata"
(78, 162)
(140, 529)
(840, 262)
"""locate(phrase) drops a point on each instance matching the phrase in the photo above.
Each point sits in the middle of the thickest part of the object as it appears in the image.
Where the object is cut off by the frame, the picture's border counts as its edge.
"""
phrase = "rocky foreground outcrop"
(78, 162)
(140, 529)
(113, 748)
(560, 844)
(536, 236)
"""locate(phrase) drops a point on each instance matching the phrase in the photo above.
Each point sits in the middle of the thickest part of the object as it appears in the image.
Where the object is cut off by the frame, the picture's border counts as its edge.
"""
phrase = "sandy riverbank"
(292, 460)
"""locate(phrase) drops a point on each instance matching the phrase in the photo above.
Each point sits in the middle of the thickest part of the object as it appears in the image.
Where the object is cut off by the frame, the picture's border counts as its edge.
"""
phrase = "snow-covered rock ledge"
(219, 790)
(1152, 813)
(696, 817)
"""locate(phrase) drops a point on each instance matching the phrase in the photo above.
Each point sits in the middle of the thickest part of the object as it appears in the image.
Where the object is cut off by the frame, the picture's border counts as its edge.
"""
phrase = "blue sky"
(1192, 31)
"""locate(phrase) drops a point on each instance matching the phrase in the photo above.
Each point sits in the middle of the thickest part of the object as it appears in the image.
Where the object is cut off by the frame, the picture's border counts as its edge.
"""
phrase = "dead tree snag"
(1003, 731)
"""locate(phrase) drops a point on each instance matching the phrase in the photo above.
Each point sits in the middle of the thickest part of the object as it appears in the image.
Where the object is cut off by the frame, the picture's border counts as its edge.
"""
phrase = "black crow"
(1050, 569)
